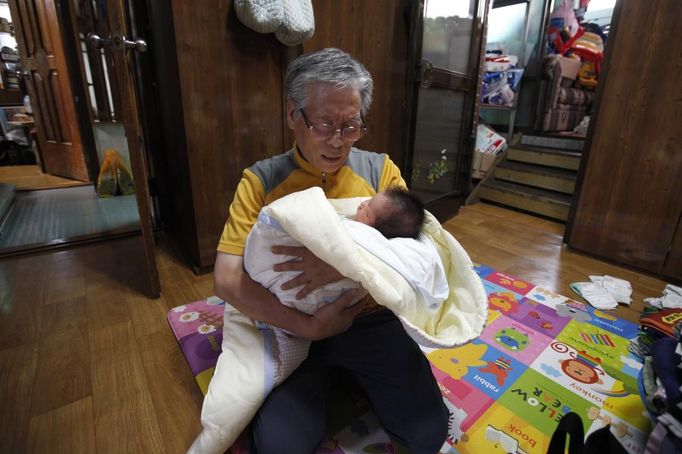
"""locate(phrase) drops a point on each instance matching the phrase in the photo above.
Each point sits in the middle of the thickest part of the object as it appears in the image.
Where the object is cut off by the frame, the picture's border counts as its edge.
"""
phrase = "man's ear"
(291, 111)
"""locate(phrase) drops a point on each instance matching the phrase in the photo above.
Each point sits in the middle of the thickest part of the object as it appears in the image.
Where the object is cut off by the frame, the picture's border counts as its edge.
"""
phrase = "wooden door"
(123, 49)
(47, 80)
(445, 77)
(627, 207)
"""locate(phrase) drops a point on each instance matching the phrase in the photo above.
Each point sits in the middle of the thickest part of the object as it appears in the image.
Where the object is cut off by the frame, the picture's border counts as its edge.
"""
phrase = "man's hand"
(314, 272)
(335, 317)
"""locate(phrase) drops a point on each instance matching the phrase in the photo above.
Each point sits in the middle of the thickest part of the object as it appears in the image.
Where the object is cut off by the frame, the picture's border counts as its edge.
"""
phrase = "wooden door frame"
(130, 96)
(440, 207)
(71, 49)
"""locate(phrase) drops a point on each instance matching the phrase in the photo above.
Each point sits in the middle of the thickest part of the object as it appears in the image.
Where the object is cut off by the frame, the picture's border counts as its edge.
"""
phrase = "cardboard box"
(483, 162)
(490, 146)
(569, 67)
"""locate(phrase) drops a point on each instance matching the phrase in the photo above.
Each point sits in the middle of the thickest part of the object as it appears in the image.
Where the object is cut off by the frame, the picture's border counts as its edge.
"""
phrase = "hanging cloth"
(292, 21)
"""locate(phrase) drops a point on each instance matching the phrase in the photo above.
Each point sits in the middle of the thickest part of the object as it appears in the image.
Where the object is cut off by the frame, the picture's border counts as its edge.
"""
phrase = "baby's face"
(370, 210)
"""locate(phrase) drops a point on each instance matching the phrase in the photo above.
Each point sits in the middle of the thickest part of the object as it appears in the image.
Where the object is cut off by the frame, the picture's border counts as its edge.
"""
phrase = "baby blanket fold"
(246, 360)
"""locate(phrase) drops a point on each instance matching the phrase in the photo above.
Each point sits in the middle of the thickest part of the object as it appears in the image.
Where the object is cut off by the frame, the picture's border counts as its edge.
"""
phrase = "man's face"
(325, 104)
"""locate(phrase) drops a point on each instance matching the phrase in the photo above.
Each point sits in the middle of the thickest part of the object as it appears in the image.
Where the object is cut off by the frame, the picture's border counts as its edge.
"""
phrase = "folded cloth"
(664, 321)
(619, 288)
(263, 16)
(671, 298)
(595, 294)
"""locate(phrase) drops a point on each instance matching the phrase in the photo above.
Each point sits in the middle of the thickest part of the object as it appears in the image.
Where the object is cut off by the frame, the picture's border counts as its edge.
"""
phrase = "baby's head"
(394, 212)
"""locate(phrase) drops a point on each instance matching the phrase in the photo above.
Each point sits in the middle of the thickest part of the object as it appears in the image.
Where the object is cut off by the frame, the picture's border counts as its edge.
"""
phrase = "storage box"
(569, 67)
(483, 162)
(490, 147)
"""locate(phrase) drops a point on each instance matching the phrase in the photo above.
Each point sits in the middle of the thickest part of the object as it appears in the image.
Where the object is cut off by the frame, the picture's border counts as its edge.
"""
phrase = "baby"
(395, 213)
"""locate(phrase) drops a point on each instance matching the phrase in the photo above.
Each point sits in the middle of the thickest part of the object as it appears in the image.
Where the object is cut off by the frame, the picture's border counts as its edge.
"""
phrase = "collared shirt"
(363, 174)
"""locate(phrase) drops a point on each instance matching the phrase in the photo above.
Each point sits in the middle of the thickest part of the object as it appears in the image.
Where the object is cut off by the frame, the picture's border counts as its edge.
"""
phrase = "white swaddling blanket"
(245, 372)
(416, 260)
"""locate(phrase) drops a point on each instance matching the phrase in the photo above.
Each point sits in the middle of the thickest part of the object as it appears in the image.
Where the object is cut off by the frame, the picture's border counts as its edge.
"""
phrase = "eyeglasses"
(327, 131)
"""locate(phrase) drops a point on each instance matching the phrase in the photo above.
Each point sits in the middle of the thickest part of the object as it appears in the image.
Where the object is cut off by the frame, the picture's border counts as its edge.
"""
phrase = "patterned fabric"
(574, 97)
(563, 118)
(289, 354)
(561, 108)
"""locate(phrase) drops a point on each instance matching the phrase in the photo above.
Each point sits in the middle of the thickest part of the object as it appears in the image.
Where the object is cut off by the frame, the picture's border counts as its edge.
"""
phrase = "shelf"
(496, 106)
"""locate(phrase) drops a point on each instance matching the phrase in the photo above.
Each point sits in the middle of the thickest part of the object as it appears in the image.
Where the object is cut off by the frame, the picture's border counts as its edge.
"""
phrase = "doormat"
(541, 356)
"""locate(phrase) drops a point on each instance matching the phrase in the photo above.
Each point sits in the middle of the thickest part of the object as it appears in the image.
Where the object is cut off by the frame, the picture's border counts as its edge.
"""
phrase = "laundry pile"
(604, 292)
(661, 380)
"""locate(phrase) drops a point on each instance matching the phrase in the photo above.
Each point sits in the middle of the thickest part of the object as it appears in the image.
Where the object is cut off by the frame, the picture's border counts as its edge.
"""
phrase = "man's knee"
(279, 434)
(428, 434)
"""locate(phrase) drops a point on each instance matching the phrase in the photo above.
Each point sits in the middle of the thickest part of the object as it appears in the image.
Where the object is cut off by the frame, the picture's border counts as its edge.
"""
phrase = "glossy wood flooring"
(30, 177)
(88, 364)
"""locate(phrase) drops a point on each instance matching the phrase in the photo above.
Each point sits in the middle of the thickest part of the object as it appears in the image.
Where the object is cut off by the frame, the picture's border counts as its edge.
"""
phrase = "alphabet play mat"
(540, 356)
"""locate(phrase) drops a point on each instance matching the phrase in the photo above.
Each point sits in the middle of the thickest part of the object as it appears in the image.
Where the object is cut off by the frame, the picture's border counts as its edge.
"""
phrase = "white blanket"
(416, 260)
(245, 373)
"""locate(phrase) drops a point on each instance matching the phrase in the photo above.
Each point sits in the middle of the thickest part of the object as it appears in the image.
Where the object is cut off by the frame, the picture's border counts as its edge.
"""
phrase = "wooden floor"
(29, 178)
(88, 364)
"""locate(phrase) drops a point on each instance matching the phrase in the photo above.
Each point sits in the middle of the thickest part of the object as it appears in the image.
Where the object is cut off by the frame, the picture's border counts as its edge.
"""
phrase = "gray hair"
(332, 66)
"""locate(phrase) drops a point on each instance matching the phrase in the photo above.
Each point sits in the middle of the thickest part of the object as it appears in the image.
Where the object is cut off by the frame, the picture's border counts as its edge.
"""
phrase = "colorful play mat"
(541, 356)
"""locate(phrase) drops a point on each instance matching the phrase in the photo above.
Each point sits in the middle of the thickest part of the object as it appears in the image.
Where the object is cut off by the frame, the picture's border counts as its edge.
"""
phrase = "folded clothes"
(619, 288)
(595, 294)
(664, 321)
(671, 298)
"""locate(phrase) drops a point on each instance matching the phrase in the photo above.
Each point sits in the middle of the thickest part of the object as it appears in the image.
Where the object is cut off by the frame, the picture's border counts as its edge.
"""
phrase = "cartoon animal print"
(455, 421)
(503, 301)
(511, 339)
(502, 440)
(566, 310)
(580, 365)
(457, 361)
(620, 428)
(544, 324)
(583, 368)
(499, 368)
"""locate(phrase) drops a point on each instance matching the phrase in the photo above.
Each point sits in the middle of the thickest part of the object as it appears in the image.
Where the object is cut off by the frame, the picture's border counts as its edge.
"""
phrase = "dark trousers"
(385, 362)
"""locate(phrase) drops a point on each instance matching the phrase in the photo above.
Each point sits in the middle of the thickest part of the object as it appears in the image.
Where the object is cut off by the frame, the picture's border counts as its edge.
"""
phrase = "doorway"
(56, 201)
(51, 42)
(445, 57)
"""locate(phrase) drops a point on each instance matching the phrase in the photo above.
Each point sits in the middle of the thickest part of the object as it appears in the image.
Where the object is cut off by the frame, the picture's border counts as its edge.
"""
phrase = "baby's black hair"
(405, 217)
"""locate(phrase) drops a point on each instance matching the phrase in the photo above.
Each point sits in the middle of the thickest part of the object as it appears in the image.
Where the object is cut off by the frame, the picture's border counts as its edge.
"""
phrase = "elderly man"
(329, 94)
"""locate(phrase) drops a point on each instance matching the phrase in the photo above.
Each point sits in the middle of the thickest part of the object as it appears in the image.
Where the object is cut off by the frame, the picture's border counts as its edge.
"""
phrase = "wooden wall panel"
(629, 203)
(375, 33)
(229, 77)
(232, 99)
(673, 263)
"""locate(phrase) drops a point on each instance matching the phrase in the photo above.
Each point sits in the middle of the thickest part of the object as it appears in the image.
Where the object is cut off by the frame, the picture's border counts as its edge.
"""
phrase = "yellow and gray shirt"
(363, 174)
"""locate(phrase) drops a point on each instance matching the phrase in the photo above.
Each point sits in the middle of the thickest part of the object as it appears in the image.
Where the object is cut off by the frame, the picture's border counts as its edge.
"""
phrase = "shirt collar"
(305, 165)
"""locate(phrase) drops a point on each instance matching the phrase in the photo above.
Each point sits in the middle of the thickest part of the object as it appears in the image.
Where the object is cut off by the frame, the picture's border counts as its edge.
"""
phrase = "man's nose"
(336, 140)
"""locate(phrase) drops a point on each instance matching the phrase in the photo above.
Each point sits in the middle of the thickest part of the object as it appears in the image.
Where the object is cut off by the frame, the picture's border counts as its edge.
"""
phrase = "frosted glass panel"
(437, 141)
(447, 34)
(505, 28)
